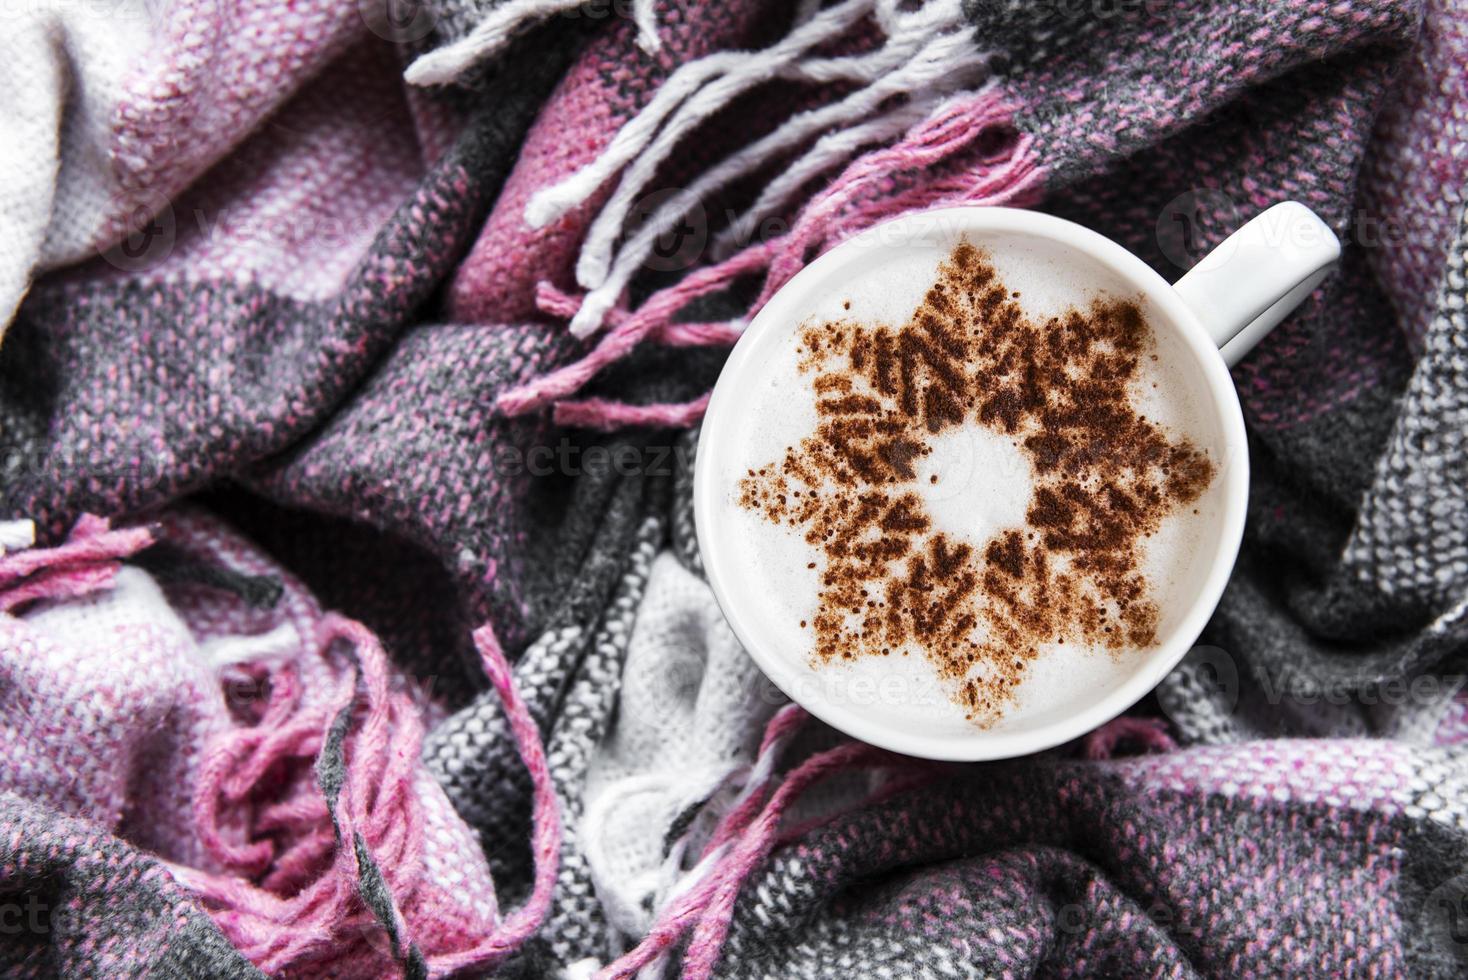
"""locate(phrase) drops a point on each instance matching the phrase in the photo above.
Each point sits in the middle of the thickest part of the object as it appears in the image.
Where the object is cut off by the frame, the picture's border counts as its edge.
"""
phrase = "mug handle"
(1257, 275)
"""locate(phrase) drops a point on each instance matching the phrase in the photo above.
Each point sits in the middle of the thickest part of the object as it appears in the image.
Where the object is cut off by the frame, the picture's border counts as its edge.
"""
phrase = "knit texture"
(570, 676)
(81, 902)
(116, 109)
(692, 709)
(428, 308)
(184, 719)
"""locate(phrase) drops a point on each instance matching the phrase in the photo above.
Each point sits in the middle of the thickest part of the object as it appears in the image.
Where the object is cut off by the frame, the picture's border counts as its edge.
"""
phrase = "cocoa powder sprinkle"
(1104, 478)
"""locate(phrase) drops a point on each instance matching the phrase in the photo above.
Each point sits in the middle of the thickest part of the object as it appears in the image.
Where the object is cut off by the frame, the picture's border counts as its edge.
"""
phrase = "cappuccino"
(974, 486)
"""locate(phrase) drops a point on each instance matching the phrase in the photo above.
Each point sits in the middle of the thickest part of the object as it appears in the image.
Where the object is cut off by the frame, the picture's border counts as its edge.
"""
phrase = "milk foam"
(984, 486)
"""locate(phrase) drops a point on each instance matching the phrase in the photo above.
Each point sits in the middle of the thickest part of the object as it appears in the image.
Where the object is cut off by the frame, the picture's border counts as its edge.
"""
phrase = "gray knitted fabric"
(569, 677)
(685, 538)
(1309, 821)
(1241, 854)
(1054, 871)
(1411, 537)
(78, 902)
(1408, 550)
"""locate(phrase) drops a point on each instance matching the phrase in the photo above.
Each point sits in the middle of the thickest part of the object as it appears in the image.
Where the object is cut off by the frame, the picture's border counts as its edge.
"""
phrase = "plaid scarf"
(435, 343)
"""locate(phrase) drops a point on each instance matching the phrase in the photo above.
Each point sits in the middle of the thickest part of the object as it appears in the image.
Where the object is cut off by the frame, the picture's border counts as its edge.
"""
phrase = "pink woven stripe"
(1357, 774)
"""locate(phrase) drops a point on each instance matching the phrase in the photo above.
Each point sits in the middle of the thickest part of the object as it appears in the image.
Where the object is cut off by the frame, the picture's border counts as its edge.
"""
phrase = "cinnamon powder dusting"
(1103, 479)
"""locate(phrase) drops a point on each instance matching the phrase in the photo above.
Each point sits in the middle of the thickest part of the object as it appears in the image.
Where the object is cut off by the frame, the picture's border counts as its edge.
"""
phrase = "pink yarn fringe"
(291, 898)
(598, 413)
(303, 903)
(289, 894)
(87, 562)
(561, 304)
(630, 330)
(783, 727)
(860, 197)
(545, 843)
(742, 841)
(1148, 733)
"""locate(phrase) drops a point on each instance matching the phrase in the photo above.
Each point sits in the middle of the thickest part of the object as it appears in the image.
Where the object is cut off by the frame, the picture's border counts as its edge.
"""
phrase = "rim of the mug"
(786, 306)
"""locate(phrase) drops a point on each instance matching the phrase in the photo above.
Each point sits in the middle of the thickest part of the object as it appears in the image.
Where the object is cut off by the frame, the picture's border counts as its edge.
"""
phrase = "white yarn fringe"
(745, 69)
(720, 789)
(753, 778)
(645, 16)
(891, 77)
(829, 151)
(621, 897)
(281, 643)
(446, 64)
(929, 54)
(16, 535)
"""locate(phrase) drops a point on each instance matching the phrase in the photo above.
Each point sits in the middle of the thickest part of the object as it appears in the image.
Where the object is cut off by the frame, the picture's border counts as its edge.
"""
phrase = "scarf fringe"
(929, 54)
(285, 905)
(549, 299)
(692, 93)
(87, 562)
(858, 198)
(546, 836)
(446, 65)
(608, 416)
(704, 901)
(291, 893)
(16, 535)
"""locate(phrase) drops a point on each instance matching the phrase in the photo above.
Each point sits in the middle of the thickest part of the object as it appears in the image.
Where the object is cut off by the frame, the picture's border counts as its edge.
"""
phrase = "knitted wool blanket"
(351, 621)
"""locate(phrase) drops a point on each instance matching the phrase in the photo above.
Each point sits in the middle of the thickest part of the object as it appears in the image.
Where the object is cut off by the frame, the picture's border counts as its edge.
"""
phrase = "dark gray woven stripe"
(78, 902)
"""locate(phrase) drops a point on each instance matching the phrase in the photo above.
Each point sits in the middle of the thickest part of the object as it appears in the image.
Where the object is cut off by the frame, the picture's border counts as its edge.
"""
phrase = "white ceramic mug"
(1216, 313)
